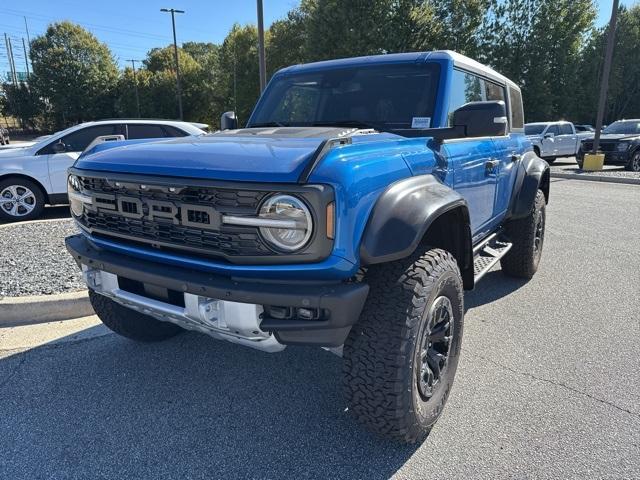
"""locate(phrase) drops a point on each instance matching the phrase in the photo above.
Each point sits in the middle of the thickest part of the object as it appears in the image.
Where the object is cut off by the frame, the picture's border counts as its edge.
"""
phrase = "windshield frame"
(623, 123)
(436, 68)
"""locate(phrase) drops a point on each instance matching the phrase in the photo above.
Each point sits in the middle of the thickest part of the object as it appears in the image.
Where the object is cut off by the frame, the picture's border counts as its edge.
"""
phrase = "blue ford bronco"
(360, 200)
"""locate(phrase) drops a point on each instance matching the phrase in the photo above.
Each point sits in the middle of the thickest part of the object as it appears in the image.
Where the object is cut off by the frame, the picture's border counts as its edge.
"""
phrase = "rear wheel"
(527, 235)
(401, 357)
(20, 199)
(129, 323)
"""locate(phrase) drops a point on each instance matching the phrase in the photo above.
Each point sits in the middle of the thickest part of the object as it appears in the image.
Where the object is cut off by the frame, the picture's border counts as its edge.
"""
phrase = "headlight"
(74, 184)
(622, 147)
(287, 222)
(74, 189)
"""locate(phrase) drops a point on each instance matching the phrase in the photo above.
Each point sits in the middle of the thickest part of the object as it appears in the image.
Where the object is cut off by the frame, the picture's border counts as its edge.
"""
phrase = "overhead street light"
(173, 11)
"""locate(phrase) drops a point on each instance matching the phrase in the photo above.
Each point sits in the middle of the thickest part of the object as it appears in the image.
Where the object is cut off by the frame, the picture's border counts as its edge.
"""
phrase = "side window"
(565, 129)
(467, 87)
(138, 130)
(517, 112)
(173, 131)
(80, 139)
(553, 129)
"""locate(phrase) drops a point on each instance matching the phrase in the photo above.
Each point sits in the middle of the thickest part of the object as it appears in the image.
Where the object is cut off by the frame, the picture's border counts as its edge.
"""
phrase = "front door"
(475, 169)
(73, 143)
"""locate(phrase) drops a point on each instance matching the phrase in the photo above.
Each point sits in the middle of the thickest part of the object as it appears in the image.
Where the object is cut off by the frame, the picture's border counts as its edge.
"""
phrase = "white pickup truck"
(551, 140)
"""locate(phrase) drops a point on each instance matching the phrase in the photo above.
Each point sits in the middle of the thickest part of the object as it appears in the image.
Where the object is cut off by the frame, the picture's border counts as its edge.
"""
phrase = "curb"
(15, 311)
(596, 178)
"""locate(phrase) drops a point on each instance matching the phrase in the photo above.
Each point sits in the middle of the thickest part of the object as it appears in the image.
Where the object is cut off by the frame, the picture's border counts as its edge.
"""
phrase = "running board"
(487, 254)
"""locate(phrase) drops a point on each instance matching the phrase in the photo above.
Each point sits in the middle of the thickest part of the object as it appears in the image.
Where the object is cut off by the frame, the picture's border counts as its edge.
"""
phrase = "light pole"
(261, 60)
(135, 84)
(608, 55)
(173, 11)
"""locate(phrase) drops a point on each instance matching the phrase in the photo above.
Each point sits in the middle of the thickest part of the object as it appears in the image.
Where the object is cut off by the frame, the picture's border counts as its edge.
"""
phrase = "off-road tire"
(633, 164)
(129, 323)
(523, 258)
(37, 193)
(381, 356)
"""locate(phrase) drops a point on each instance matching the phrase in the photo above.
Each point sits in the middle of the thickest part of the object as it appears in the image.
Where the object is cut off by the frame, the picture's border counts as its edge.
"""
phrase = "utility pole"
(604, 82)
(173, 11)
(26, 27)
(135, 84)
(26, 59)
(261, 60)
(12, 65)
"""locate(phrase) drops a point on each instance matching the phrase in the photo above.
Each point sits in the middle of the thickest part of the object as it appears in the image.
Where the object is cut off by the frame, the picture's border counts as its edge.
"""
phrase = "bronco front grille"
(174, 234)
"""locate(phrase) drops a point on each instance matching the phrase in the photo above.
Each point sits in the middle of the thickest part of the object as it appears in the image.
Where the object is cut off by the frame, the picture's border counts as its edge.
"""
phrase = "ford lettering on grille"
(187, 215)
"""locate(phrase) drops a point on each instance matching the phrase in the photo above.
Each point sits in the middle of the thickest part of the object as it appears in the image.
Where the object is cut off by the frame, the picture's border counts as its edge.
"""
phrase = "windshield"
(629, 127)
(384, 97)
(534, 129)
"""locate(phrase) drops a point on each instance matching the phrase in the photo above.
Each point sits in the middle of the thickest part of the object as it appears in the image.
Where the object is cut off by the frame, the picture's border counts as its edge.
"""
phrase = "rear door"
(509, 153)
(566, 140)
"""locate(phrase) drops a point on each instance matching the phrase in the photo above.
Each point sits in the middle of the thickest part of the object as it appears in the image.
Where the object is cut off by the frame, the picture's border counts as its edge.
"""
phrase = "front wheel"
(633, 164)
(129, 323)
(20, 199)
(401, 357)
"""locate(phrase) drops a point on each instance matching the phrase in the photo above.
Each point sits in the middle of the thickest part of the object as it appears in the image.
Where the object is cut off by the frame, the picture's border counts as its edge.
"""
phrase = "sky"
(133, 27)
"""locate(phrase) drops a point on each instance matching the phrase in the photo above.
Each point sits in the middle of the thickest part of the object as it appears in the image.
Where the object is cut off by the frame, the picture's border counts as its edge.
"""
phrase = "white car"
(34, 175)
(551, 140)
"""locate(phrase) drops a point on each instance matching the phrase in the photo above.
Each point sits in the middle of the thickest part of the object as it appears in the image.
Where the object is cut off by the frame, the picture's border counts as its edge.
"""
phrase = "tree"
(23, 103)
(286, 41)
(237, 82)
(74, 73)
(537, 44)
(623, 99)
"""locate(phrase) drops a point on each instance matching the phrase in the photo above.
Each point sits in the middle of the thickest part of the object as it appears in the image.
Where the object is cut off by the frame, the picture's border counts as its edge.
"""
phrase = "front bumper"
(341, 302)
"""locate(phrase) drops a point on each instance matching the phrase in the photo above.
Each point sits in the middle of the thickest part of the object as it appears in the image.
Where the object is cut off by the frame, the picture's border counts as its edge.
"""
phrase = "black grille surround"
(196, 230)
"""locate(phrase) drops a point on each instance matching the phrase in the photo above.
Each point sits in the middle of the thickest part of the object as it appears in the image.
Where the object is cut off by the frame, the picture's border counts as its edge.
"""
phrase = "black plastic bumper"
(342, 302)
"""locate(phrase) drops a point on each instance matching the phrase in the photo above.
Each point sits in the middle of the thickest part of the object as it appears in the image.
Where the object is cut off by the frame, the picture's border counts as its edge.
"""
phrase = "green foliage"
(74, 72)
(23, 103)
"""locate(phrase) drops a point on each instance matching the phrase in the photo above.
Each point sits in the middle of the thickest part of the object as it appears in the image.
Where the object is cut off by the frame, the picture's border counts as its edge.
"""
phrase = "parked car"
(360, 201)
(552, 140)
(620, 143)
(4, 136)
(584, 128)
(36, 174)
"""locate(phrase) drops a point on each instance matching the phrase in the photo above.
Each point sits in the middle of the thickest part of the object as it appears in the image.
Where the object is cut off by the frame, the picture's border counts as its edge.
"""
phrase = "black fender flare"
(402, 215)
(533, 175)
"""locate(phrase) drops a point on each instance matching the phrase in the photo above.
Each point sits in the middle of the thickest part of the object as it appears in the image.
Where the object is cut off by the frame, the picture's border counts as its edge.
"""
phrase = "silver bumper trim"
(232, 321)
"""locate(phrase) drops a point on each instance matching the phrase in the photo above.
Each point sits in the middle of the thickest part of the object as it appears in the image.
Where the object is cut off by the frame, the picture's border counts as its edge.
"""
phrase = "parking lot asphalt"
(547, 386)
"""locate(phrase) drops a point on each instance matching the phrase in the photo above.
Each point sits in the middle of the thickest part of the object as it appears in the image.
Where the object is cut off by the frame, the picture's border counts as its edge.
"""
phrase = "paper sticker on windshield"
(421, 122)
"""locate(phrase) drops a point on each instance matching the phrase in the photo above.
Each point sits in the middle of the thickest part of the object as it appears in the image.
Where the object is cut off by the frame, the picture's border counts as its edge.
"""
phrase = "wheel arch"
(419, 211)
(534, 175)
(31, 179)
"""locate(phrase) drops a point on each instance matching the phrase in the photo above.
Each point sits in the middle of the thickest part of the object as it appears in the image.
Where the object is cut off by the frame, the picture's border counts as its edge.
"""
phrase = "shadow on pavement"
(493, 286)
(189, 407)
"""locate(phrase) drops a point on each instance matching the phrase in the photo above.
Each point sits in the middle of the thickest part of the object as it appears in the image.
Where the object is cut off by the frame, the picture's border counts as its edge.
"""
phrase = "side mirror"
(482, 119)
(549, 135)
(59, 147)
(228, 121)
